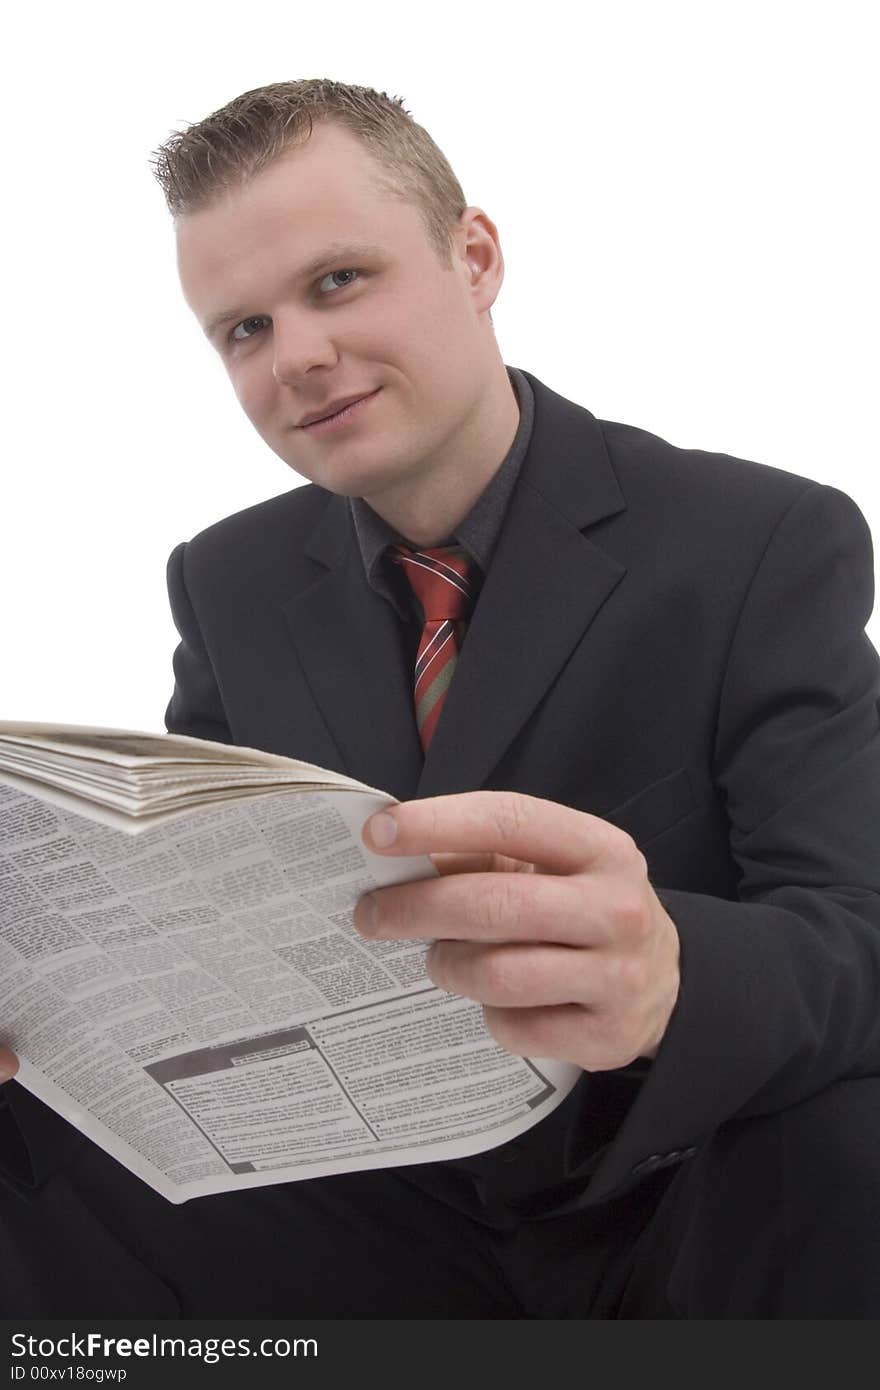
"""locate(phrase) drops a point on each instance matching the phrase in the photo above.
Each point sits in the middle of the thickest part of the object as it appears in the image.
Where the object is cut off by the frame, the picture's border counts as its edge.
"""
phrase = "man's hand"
(542, 914)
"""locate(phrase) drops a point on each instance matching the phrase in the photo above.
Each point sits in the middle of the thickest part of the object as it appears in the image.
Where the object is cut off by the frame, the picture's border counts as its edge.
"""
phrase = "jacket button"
(655, 1161)
(648, 1164)
(675, 1154)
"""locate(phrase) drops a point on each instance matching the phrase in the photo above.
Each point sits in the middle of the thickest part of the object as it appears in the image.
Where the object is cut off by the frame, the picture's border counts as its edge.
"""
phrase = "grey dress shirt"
(478, 533)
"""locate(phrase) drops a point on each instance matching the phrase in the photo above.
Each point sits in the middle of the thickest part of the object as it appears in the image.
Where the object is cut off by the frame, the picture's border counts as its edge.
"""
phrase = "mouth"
(344, 412)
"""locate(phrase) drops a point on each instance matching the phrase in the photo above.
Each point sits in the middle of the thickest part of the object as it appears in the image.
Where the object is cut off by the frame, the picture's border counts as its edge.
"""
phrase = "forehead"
(323, 193)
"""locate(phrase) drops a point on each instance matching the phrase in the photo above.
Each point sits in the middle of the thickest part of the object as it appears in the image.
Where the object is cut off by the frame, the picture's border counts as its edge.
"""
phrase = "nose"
(301, 343)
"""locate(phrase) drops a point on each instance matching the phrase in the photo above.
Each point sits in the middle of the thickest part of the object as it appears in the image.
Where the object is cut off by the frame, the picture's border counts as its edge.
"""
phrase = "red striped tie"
(441, 583)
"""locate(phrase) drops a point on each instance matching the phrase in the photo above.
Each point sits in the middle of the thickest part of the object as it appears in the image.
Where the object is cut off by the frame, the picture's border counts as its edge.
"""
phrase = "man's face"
(333, 290)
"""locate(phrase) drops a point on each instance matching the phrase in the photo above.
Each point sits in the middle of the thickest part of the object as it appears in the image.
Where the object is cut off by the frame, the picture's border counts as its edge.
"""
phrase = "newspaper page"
(131, 775)
(195, 998)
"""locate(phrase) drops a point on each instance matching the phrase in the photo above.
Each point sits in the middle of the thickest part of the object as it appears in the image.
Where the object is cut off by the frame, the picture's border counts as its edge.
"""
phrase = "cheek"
(408, 322)
(254, 388)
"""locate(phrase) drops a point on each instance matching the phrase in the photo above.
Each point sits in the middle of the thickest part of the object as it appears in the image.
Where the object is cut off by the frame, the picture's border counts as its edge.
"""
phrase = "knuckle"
(502, 979)
(630, 915)
(632, 975)
(639, 863)
(435, 817)
(619, 846)
(605, 837)
(610, 1047)
(494, 905)
(617, 1057)
(512, 814)
(629, 856)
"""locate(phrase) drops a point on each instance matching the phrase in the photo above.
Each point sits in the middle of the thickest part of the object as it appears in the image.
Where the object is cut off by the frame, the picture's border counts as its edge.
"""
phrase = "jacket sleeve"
(780, 991)
(196, 706)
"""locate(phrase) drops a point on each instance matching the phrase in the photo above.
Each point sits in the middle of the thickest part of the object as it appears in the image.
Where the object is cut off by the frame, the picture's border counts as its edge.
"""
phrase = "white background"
(686, 198)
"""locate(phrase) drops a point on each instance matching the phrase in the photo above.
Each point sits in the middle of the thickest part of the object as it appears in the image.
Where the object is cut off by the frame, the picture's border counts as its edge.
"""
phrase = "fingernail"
(383, 830)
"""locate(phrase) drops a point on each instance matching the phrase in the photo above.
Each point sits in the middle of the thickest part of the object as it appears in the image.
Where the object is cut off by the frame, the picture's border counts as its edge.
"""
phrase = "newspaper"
(181, 979)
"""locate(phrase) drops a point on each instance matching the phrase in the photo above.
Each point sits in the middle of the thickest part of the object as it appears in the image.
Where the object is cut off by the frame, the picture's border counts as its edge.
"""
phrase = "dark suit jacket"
(667, 638)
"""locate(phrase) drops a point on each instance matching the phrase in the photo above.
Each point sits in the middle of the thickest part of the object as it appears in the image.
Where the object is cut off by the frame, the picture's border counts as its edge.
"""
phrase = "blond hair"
(197, 166)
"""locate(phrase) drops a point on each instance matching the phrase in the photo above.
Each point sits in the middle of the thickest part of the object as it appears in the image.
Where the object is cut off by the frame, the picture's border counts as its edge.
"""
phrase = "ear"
(480, 257)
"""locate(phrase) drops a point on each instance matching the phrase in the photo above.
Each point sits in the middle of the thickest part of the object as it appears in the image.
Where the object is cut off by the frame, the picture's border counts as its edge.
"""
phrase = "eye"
(237, 337)
(335, 276)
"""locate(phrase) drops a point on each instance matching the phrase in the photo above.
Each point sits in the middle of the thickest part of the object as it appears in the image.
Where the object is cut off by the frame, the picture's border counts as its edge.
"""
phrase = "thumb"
(8, 1064)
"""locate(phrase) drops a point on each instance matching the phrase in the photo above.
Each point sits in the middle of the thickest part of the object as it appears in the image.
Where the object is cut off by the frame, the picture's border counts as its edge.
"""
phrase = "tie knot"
(440, 579)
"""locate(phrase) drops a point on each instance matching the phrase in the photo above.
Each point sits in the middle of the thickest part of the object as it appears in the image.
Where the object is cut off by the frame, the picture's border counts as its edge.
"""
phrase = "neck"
(429, 508)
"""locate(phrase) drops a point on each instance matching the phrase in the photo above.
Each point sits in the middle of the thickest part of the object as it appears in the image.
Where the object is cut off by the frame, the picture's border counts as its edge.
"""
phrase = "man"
(623, 694)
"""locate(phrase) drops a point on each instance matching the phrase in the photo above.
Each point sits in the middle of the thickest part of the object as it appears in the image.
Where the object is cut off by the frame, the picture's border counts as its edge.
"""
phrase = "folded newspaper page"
(181, 979)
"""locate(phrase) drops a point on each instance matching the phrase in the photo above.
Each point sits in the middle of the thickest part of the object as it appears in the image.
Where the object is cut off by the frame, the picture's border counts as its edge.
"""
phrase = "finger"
(8, 1064)
(567, 1032)
(488, 907)
(557, 838)
(450, 863)
(513, 976)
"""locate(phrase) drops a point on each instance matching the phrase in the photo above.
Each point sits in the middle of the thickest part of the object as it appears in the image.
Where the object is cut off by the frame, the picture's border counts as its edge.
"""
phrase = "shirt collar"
(480, 529)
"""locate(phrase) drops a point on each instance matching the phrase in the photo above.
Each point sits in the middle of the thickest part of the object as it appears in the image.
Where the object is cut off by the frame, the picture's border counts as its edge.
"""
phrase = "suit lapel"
(351, 648)
(545, 585)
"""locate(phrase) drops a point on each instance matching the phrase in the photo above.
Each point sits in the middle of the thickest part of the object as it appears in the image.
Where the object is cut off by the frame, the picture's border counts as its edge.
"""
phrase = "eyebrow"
(329, 258)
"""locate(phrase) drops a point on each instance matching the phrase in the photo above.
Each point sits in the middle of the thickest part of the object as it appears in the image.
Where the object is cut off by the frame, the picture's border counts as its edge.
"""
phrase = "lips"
(333, 408)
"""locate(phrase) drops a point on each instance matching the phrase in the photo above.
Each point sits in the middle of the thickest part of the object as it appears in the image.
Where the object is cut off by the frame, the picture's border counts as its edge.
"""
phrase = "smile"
(341, 418)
